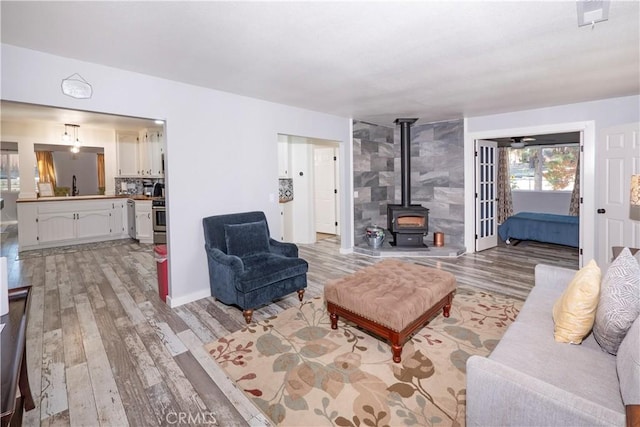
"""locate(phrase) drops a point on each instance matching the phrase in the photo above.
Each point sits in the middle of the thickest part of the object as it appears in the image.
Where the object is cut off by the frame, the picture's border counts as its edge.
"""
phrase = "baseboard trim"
(194, 296)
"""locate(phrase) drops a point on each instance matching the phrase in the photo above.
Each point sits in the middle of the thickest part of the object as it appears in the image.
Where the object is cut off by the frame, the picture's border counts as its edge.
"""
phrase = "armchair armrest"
(230, 261)
(282, 248)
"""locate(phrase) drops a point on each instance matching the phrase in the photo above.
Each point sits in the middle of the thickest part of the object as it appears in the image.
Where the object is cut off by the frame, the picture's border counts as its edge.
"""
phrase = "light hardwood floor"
(104, 350)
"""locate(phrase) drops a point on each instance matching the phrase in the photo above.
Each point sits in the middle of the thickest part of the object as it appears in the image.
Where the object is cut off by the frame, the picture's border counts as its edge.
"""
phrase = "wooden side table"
(14, 359)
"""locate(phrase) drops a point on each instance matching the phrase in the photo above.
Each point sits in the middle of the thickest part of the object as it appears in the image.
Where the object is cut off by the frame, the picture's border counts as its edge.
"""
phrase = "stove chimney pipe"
(405, 159)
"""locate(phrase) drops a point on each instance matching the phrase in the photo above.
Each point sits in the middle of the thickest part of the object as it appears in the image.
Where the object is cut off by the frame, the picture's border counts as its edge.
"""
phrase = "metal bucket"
(374, 236)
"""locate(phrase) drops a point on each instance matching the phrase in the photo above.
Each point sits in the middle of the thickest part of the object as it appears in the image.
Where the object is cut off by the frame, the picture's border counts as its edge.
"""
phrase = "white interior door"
(325, 189)
(486, 192)
(618, 157)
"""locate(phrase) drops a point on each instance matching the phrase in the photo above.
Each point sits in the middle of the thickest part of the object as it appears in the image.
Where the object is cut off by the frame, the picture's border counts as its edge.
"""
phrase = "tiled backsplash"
(285, 190)
(133, 185)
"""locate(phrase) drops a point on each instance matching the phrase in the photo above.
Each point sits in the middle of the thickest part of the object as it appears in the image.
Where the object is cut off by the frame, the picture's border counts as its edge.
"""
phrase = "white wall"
(587, 117)
(553, 202)
(83, 165)
(221, 150)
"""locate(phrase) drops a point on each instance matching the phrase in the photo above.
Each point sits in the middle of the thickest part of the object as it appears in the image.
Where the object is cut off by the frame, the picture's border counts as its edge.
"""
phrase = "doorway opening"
(534, 185)
(309, 188)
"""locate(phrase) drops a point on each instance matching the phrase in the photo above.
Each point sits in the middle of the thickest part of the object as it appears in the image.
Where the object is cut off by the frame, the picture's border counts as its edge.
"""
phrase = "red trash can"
(163, 274)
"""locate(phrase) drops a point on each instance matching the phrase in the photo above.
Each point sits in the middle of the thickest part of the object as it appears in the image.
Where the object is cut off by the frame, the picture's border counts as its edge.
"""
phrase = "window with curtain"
(46, 170)
(101, 180)
(544, 168)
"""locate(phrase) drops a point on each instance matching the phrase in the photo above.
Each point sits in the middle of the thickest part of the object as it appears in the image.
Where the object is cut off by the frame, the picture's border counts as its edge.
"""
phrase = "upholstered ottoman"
(391, 299)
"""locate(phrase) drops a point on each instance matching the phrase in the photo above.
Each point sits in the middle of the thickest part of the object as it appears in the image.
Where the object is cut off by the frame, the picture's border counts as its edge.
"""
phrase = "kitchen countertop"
(89, 197)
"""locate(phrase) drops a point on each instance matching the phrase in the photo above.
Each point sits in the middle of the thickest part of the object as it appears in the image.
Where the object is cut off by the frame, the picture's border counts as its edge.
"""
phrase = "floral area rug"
(300, 372)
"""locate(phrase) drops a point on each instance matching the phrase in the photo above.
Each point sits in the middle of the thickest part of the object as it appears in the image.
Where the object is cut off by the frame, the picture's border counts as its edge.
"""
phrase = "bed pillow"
(619, 303)
(575, 310)
(246, 239)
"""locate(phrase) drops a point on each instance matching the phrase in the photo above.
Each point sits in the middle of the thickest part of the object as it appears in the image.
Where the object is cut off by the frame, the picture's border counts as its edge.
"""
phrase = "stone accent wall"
(437, 176)
(373, 176)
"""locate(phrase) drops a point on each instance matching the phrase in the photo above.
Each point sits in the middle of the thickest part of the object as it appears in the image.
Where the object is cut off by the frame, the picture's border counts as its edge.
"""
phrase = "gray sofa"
(529, 379)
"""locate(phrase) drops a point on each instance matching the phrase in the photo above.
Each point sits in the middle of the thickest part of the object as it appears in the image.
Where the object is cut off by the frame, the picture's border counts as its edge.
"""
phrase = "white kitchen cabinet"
(286, 231)
(150, 152)
(27, 225)
(283, 160)
(93, 223)
(156, 142)
(56, 227)
(43, 224)
(127, 153)
(119, 223)
(144, 222)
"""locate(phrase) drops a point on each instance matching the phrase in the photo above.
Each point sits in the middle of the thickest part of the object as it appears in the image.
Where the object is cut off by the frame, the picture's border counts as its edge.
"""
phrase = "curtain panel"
(101, 180)
(574, 206)
(46, 169)
(505, 200)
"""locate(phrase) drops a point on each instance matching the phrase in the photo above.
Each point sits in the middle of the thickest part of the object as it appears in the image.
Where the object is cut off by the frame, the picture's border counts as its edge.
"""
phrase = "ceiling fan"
(520, 141)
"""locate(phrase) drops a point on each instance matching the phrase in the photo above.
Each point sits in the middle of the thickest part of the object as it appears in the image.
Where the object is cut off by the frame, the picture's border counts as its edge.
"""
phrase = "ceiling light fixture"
(77, 87)
(75, 148)
(520, 142)
(65, 137)
(592, 11)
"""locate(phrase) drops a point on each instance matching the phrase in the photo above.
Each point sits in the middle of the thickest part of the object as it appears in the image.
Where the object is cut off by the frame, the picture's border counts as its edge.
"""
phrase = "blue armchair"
(247, 268)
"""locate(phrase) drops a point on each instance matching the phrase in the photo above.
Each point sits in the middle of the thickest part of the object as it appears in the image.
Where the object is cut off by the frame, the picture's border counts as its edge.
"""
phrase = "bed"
(542, 227)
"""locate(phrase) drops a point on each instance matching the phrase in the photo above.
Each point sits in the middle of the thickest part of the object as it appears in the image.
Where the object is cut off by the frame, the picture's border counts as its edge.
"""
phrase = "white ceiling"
(373, 61)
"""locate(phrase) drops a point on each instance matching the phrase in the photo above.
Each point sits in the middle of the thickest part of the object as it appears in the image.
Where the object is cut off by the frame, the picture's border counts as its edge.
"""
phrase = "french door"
(486, 192)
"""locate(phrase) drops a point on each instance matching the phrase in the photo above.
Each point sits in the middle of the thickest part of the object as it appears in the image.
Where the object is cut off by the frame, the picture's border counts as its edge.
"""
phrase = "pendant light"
(66, 138)
(75, 148)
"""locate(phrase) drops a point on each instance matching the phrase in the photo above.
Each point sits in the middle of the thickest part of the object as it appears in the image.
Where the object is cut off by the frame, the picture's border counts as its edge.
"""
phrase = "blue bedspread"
(542, 227)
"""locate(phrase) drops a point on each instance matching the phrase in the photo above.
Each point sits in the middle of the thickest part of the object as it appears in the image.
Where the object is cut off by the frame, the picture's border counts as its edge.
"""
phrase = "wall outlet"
(355, 194)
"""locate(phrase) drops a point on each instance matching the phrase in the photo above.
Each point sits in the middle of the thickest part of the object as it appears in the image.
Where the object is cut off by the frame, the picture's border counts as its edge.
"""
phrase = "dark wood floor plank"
(72, 338)
(215, 400)
(130, 387)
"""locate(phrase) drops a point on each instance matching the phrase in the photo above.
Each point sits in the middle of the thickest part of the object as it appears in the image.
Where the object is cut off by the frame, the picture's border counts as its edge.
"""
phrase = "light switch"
(355, 194)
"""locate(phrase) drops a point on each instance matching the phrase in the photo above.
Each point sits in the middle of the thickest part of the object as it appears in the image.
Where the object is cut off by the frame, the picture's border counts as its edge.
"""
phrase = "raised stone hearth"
(386, 250)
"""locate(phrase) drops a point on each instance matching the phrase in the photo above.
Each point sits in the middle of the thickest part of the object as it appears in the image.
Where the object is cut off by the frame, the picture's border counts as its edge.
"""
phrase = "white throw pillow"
(619, 302)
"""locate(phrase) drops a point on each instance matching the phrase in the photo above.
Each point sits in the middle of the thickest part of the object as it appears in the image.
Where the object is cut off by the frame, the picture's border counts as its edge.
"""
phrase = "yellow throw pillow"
(574, 312)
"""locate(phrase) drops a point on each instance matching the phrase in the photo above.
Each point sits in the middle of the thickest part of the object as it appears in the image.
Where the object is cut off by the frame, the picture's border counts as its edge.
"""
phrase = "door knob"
(601, 211)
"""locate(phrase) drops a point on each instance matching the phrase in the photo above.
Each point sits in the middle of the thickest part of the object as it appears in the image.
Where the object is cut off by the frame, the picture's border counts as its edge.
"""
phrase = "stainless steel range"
(159, 215)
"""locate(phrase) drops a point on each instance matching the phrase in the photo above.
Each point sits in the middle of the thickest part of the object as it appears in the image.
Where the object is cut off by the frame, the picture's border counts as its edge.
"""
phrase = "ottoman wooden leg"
(397, 352)
(334, 320)
(446, 310)
(300, 294)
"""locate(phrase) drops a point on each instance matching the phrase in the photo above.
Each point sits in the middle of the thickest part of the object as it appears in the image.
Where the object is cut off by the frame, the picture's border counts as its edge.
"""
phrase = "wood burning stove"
(408, 223)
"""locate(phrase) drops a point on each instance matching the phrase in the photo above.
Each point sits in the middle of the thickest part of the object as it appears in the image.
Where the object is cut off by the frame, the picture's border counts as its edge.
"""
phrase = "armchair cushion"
(264, 269)
(246, 239)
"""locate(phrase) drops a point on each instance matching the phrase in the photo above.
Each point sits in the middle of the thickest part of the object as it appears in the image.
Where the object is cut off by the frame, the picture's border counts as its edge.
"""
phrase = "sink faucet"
(74, 189)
